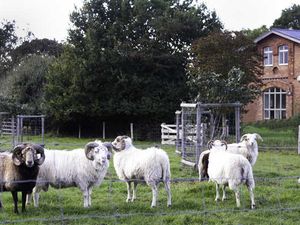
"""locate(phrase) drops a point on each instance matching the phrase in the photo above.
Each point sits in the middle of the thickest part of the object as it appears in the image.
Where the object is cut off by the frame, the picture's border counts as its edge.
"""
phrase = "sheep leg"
(128, 183)
(224, 193)
(28, 198)
(85, 198)
(217, 193)
(251, 197)
(134, 191)
(90, 194)
(154, 194)
(237, 198)
(168, 190)
(15, 198)
(24, 195)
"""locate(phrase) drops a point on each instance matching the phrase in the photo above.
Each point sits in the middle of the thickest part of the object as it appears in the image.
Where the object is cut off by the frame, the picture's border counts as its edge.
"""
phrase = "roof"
(293, 35)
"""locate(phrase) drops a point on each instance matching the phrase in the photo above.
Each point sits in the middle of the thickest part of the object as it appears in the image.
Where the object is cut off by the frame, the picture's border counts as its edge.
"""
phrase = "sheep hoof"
(223, 199)
(128, 200)
(153, 206)
(217, 199)
(169, 205)
(253, 206)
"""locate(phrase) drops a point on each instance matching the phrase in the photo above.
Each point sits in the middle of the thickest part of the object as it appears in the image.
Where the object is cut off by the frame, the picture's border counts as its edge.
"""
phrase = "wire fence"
(277, 196)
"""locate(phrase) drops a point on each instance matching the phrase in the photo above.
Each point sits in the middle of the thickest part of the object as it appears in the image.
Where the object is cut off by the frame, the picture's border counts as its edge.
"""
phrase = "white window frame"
(273, 103)
(268, 56)
(283, 55)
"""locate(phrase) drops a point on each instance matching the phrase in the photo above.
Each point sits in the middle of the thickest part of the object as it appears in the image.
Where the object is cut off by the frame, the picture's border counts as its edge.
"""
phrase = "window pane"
(267, 114)
(267, 97)
(277, 114)
(283, 101)
(285, 57)
(283, 115)
(277, 106)
(271, 114)
(272, 101)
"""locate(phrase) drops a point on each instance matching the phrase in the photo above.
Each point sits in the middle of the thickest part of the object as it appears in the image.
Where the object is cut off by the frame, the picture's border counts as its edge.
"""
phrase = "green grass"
(277, 195)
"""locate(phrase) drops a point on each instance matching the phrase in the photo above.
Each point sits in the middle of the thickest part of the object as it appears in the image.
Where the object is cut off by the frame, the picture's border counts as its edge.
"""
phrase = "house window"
(268, 56)
(283, 55)
(274, 104)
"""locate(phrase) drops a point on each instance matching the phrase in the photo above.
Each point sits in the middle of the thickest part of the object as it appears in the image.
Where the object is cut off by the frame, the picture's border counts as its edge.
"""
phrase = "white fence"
(168, 134)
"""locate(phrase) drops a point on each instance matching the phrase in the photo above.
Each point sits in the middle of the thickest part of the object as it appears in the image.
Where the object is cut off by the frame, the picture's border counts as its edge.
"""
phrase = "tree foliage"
(290, 18)
(8, 40)
(225, 68)
(23, 85)
(38, 47)
(127, 58)
(254, 33)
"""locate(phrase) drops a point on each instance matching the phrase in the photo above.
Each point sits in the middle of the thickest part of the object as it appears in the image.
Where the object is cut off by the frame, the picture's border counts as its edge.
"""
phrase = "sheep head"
(251, 138)
(97, 152)
(28, 154)
(121, 143)
(216, 143)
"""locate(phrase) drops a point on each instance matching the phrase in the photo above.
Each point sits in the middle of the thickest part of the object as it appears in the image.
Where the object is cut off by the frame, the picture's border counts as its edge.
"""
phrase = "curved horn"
(16, 157)
(225, 143)
(243, 137)
(258, 137)
(209, 144)
(88, 147)
(40, 150)
(108, 145)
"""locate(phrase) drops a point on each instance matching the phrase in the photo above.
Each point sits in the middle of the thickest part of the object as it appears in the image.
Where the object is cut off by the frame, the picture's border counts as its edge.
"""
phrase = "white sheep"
(227, 169)
(82, 168)
(151, 165)
(247, 147)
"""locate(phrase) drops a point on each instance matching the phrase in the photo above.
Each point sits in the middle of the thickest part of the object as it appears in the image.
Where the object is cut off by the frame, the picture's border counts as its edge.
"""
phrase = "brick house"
(280, 98)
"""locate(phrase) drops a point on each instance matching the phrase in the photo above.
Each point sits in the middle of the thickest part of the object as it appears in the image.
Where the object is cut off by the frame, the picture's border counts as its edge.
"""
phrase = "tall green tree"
(8, 40)
(290, 18)
(128, 58)
(225, 68)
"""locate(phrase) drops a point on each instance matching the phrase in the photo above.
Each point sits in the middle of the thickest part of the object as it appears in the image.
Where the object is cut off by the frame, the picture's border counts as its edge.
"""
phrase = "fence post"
(131, 130)
(199, 133)
(79, 131)
(177, 143)
(103, 130)
(299, 139)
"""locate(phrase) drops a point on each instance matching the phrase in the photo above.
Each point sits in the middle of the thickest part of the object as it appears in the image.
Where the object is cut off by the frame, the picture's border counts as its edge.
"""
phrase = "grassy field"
(277, 194)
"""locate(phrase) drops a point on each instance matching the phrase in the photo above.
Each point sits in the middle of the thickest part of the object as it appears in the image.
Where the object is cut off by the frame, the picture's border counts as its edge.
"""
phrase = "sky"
(50, 18)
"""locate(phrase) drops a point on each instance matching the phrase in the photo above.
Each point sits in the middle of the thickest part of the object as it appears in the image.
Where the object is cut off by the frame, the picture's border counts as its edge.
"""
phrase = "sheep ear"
(258, 137)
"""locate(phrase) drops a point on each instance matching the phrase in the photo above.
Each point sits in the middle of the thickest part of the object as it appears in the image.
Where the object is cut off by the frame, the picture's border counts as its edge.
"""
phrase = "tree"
(290, 18)
(23, 86)
(128, 59)
(38, 47)
(8, 40)
(253, 34)
(225, 68)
